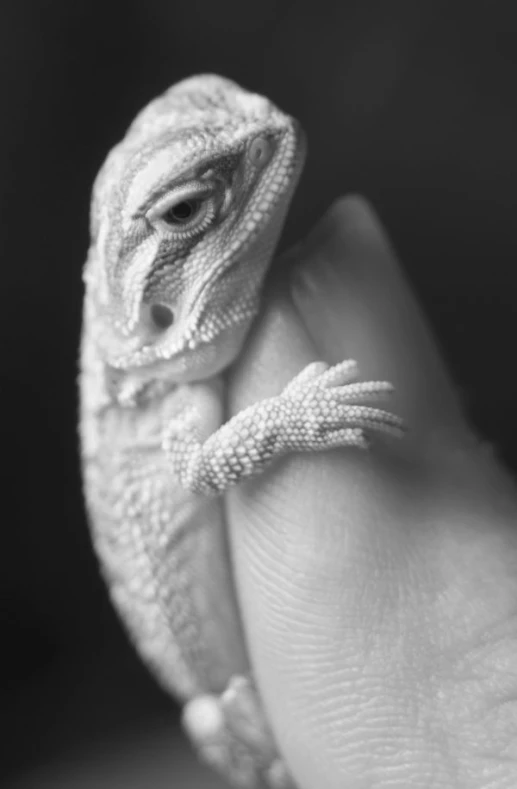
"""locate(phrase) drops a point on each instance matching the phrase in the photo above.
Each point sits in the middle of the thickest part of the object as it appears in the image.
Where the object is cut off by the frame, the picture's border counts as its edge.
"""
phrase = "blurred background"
(411, 103)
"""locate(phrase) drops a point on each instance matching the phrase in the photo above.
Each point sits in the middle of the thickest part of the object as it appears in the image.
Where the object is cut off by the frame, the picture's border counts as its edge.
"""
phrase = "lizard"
(186, 214)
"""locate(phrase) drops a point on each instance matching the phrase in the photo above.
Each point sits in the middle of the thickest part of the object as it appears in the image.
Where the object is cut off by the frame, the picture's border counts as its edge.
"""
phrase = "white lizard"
(186, 214)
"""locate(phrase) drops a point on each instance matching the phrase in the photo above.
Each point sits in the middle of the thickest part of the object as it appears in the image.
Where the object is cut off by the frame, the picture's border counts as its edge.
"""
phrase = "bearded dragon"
(186, 214)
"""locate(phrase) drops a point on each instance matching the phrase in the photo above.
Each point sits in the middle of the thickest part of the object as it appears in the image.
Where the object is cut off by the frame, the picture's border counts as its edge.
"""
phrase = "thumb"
(341, 556)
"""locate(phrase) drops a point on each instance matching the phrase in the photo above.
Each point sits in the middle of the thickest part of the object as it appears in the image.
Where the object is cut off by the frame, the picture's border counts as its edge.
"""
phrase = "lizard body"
(186, 214)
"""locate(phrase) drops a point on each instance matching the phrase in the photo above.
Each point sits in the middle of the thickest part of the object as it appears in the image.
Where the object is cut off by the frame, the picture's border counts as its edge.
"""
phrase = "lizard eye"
(182, 212)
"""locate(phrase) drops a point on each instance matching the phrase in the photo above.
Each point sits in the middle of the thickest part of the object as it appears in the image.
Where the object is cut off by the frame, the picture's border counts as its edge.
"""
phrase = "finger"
(354, 299)
(330, 550)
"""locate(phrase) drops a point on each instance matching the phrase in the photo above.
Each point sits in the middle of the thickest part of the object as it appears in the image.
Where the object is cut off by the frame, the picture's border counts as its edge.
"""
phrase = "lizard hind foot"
(231, 734)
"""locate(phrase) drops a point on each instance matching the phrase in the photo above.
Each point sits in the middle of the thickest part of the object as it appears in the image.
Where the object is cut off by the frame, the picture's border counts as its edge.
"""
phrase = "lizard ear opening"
(260, 151)
(162, 316)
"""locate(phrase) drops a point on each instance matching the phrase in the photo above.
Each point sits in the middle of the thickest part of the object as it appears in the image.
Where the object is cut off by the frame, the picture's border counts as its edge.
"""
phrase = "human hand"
(378, 589)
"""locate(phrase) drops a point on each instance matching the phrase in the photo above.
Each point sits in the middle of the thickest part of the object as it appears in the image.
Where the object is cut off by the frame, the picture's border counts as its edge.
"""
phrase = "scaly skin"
(186, 214)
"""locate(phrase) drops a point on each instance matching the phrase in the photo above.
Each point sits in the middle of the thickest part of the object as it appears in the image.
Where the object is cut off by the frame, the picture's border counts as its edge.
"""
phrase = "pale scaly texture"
(186, 214)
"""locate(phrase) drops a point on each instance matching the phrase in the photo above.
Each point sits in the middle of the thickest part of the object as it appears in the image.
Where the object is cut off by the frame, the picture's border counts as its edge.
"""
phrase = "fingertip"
(354, 300)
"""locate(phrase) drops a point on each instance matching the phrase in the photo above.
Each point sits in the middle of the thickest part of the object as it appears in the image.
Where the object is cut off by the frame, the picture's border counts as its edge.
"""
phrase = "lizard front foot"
(324, 408)
(231, 734)
(321, 408)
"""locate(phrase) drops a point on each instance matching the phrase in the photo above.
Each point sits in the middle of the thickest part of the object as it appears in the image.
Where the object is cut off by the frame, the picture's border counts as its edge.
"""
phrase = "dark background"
(411, 102)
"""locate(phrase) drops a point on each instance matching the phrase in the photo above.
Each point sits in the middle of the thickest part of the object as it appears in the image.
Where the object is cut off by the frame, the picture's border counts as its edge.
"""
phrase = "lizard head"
(186, 215)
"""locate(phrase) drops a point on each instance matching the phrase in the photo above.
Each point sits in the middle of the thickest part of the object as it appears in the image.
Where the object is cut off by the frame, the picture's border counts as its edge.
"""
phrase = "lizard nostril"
(162, 316)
